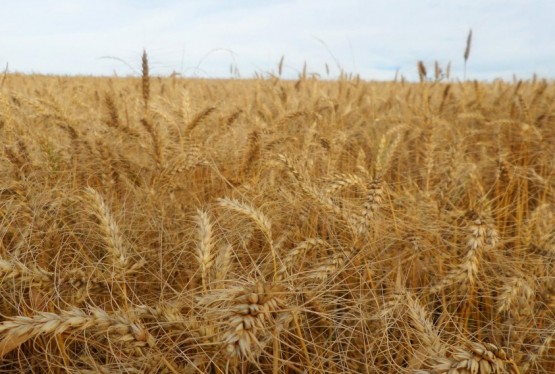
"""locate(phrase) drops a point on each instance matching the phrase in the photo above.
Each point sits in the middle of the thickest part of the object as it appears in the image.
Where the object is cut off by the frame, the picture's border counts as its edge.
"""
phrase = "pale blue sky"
(203, 38)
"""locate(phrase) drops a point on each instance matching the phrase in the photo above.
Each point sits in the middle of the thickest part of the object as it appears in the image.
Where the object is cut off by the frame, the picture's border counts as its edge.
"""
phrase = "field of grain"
(169, 225)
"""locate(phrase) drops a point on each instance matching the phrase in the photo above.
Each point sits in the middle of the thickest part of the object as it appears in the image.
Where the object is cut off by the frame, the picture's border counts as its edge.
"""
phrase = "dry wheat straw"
(545, 345)
(330, 311)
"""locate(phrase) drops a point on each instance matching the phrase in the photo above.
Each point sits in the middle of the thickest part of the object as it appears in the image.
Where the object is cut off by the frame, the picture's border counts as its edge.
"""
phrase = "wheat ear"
(204, 254)
(249, 313)
(299, 252)
(17, 330)
(108, 227)
(21, 274)
(145, 80)
(481, 236)
(467, 50)
(477, 358)
(259, 218)
(223, 262)
(427, 332)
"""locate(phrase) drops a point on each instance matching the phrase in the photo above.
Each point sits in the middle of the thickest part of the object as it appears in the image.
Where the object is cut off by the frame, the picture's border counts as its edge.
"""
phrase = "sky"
(241, 38)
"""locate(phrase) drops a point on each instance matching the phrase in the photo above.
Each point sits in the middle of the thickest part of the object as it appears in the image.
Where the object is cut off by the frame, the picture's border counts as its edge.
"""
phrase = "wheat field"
(171, 225)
